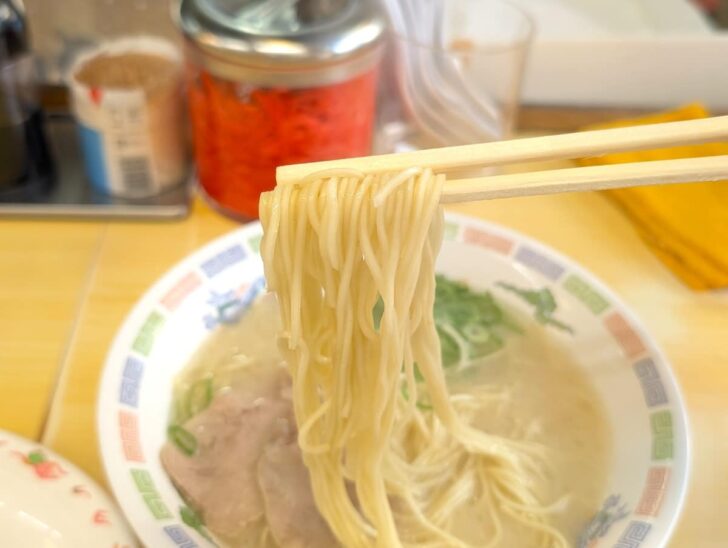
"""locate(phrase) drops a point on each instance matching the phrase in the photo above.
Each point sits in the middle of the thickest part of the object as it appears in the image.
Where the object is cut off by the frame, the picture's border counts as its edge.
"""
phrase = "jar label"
(115, 137)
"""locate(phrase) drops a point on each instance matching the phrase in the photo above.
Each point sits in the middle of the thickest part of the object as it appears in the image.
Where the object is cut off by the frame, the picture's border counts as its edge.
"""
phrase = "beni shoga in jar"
(275, 83)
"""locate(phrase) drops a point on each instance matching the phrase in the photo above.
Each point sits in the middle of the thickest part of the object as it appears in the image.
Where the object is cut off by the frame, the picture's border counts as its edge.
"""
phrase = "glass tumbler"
(452, 75)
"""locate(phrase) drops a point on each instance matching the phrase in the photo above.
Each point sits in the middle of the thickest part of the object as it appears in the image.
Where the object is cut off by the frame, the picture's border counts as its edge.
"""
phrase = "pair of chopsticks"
(557, 147)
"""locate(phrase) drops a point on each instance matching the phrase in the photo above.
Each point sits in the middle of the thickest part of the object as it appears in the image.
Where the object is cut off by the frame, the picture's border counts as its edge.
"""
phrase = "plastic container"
(277, 83)
(128, 100)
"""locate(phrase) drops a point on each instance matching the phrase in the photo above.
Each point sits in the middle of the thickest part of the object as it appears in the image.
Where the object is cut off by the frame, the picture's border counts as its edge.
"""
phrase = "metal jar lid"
(302, 42)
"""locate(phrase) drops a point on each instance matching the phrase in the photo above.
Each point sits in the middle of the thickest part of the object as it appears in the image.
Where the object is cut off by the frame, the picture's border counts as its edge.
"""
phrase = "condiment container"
(274, 83)
(128, 100)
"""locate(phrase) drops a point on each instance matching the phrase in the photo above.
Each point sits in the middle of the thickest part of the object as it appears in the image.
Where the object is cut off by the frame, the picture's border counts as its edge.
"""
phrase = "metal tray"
(71, 195)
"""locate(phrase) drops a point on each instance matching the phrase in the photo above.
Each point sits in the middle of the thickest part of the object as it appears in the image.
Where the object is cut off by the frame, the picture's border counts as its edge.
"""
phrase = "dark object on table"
(13, 30)
(717, 10)
(24, 157)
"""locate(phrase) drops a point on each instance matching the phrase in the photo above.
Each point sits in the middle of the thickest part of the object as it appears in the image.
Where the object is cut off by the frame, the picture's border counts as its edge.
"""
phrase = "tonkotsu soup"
(520, 382)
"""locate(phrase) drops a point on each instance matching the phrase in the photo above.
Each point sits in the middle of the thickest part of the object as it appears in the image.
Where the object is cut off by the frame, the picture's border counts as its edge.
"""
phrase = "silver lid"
(282, 33)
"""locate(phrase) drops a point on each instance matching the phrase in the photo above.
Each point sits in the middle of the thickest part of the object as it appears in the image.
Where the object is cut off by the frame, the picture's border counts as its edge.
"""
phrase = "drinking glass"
(453, 75)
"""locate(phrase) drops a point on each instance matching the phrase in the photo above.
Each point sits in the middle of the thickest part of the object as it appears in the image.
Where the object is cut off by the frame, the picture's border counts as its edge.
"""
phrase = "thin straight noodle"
(332, 223)
(495, 518)
(410, 468)
(299, 248)
(284, 235)
(312, 203)
(344, 376)
(370, 258)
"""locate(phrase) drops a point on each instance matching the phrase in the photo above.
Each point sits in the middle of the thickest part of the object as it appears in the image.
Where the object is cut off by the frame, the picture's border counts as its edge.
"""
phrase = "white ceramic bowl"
(650, 460)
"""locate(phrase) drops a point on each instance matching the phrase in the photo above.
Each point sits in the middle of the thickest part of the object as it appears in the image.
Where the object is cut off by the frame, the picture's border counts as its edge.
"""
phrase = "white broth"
(534, 391)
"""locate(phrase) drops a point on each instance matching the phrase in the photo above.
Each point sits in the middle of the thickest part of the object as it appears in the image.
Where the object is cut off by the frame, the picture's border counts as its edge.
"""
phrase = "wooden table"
(65, 287)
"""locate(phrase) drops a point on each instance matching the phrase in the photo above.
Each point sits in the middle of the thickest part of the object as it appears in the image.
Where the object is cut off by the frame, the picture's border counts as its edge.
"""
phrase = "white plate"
(643, 404)
(46, 501)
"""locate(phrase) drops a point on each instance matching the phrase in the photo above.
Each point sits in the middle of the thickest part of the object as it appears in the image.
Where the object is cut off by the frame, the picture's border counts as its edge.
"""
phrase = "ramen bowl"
(649, 457)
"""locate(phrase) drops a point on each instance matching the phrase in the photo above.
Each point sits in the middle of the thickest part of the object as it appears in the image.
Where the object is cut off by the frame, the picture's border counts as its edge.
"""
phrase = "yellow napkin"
(685, 225)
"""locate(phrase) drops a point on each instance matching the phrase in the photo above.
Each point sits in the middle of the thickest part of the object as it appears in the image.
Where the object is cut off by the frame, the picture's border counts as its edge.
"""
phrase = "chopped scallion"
(199, 397)
(183, 439)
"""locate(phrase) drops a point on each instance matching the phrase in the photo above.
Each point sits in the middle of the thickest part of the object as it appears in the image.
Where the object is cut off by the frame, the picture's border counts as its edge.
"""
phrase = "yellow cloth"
(685, 225)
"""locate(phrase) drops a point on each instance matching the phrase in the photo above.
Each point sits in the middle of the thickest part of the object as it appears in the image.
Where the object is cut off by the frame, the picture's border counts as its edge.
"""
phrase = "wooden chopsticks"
(566, 146)
(711, 168)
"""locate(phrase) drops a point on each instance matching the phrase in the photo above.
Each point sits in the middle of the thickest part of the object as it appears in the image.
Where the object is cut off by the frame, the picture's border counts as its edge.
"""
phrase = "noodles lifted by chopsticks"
(384, 471)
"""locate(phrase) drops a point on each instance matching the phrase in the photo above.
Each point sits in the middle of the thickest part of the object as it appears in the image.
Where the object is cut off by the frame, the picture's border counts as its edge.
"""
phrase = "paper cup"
(133, 138)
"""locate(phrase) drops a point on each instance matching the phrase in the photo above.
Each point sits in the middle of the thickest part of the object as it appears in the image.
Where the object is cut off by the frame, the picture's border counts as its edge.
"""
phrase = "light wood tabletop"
(65, 287)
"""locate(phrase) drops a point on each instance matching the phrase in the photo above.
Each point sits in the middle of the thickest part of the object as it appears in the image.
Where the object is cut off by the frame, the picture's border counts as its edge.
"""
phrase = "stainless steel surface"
(72, 196)
(282, 33)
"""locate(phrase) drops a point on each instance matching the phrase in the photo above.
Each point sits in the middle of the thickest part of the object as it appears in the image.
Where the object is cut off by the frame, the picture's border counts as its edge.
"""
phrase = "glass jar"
(277, 82)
